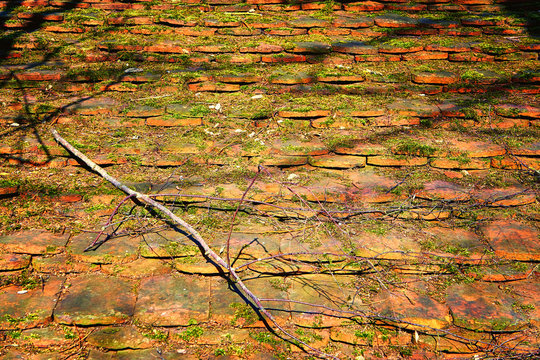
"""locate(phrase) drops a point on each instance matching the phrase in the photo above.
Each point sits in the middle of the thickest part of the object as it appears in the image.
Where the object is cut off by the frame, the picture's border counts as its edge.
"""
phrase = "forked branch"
(208, 252)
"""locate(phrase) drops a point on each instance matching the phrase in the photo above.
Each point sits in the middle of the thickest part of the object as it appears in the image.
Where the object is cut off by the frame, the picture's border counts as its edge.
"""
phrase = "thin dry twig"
(236, 213)
(108, 222)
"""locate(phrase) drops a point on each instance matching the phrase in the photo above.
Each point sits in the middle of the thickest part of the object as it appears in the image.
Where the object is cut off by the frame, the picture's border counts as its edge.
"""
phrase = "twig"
(235, 213)
(108, 222)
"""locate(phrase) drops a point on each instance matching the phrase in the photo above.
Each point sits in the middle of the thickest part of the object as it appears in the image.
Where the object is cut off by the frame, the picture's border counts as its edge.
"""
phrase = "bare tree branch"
(218, 260)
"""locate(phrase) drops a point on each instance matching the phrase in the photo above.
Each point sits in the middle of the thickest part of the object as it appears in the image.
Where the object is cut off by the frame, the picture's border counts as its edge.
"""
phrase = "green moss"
(17, 320)
(378, 228)
(336, 141)
(495, 48)
(44, 109)
(14, 334)
(25, 279)
(10, 182)
(186, 13)
(192, 332)
(365, 334)
(470, 114)
(156, 334)
(404, 350)
(426, 122)
(472, 75)
(458, 250)
(243, 311)
(445, 42)
(260, 114)
(412, 147)
(524, 308)
(95, 207)
(400, 43)
(527, 74)
(500, 324)
(520, 266)
(175, 249)
(253, 146)
(510, 112)
(77, 17)
(461, 159)
(81, 146)
(220, 352)
(95, 73)
(264, 337)
(307, 336)
(199, 110)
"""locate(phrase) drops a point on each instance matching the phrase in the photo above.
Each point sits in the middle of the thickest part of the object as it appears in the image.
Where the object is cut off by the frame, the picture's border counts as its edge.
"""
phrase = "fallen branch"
(208, 252)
